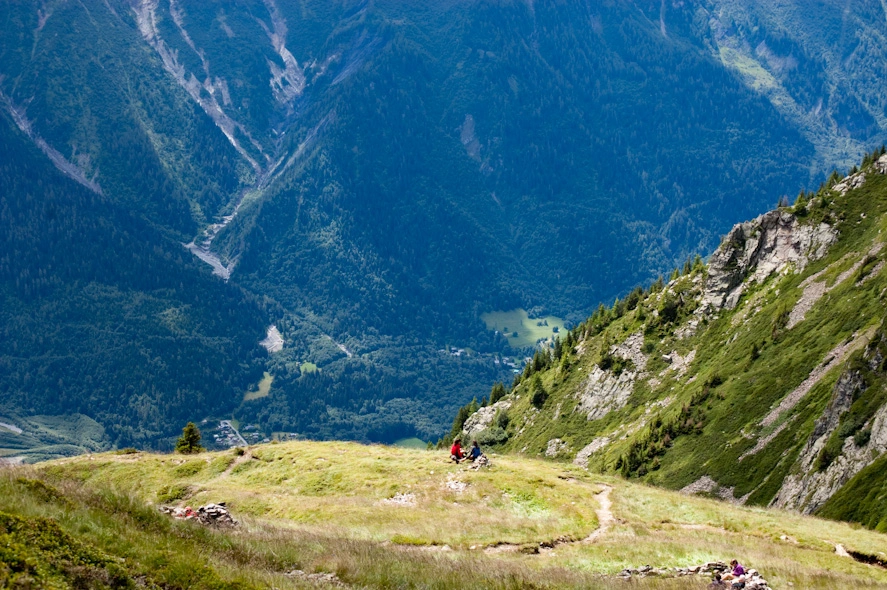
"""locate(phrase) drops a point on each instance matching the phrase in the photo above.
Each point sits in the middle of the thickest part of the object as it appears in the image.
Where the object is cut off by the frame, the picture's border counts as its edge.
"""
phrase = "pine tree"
(539, 394)
(497, 393)
(189, 442)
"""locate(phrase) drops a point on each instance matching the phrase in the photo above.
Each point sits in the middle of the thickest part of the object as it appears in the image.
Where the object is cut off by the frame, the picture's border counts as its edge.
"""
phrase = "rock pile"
(752, 579)
(211, 514)
(401, 499)
(481, 462)
(215, 515)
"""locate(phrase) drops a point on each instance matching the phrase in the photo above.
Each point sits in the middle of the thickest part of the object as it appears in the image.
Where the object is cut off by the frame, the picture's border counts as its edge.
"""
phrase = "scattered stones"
(401, 500)
(631, 350)
(456, 486)
(679, 364)
(210, 515)
(688, 330)
(481, 462)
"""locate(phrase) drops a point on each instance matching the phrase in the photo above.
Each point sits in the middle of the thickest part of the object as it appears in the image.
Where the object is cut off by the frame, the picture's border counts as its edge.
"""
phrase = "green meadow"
(529, 330)
(387, 517)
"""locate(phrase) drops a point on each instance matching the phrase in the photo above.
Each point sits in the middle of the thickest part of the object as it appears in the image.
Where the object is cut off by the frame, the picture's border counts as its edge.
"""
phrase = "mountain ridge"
(758, 378)
(382, 175)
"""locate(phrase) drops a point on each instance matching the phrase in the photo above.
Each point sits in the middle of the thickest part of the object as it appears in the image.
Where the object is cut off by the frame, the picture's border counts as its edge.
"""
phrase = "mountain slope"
(758, 378)
(340, 514)
(382, 174)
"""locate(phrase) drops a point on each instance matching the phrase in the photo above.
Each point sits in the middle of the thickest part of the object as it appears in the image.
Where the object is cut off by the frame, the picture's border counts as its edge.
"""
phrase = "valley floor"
(386, 517)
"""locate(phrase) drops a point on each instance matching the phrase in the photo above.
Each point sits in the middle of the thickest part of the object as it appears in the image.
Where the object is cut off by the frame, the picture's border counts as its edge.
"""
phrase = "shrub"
(172, 492)
(862, 437)
(492, 436)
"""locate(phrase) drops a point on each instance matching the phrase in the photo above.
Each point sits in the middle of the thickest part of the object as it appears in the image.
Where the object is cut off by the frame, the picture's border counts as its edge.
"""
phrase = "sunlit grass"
(323, 507)
(529, 331)
(263, 390)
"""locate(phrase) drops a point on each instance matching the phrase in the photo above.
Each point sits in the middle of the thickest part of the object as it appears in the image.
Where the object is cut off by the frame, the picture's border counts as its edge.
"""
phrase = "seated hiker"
(716, 582)
(737, 575)
(474, 454)
(456, 451)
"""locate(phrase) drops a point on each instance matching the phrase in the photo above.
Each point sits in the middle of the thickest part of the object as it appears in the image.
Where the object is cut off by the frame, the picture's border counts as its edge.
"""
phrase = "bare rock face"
(482, 419)
(881, 164)
(754, 250)
(631, 349)
(589, 450)
(555, 446)
(604, 392)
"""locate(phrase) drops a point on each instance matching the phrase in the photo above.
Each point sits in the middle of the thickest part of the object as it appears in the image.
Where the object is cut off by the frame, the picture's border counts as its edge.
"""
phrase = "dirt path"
(246, 456)
(605, 516)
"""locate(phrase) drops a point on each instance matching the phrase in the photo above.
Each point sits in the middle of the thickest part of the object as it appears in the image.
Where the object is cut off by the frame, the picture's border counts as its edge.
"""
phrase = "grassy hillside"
(328, 508)
(779, 399)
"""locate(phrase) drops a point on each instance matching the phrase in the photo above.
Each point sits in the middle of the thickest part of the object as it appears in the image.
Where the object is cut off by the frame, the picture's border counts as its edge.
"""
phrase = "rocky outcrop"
(631, 350)
(589, 450)
(705, 485)
(483, 419)
(752, 251)
(604, 392)
(554, 448)
(851, 182)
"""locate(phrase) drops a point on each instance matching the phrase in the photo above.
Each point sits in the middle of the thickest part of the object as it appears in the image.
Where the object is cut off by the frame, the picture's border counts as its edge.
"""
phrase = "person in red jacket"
(456, 451)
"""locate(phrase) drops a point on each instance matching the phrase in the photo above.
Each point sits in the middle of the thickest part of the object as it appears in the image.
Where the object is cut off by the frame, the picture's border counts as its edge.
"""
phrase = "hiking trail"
(605, 516)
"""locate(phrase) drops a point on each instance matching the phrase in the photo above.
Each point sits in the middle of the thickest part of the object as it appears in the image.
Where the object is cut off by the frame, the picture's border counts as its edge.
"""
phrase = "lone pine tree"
(189, 442)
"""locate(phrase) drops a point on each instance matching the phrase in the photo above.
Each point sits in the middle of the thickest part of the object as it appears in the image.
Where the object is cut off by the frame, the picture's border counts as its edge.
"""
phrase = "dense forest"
(102, 316)
(373, 177)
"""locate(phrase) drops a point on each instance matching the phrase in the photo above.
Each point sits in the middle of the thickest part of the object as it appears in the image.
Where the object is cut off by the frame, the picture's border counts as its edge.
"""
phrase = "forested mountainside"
(760, 377)
(379, 174)
(110, 335)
